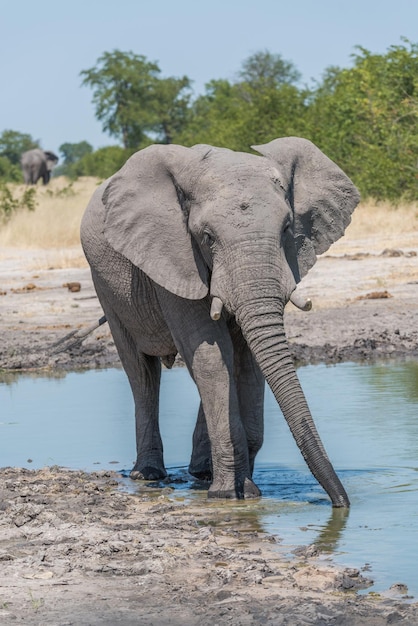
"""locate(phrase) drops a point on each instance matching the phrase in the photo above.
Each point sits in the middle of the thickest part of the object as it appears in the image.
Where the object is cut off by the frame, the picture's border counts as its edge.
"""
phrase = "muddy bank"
(365, 308)
(76, 549)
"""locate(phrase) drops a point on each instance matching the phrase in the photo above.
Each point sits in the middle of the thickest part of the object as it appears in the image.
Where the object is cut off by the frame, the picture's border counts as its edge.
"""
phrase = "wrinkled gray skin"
(37, 164)
(178, 226)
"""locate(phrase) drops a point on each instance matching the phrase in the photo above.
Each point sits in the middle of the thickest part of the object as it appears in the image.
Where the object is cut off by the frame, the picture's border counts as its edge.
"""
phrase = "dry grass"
(54, 225)
(381, 218)
(379, 225)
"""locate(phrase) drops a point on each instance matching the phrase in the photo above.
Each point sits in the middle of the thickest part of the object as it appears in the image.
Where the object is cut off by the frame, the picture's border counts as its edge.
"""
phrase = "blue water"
(367, 417)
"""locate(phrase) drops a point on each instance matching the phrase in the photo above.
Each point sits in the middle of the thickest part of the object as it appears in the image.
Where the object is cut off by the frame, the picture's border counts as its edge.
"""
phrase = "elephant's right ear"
(146, 223)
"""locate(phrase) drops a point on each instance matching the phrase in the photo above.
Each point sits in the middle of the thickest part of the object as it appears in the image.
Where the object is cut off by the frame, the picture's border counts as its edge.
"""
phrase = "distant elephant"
(37, 164)
(197, 251)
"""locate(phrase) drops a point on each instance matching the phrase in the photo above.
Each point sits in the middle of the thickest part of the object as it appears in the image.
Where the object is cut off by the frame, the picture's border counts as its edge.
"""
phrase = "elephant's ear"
(146, 219)
(321, 195)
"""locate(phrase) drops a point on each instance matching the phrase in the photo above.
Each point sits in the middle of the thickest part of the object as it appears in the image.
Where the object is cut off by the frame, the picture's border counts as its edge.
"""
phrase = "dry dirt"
(76, 549)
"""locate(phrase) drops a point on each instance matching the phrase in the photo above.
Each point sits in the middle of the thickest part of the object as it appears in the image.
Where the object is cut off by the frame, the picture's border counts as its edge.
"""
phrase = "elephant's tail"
(75, 337)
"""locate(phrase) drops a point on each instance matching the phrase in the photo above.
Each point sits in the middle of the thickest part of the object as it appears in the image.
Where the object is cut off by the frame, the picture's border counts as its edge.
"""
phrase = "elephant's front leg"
(201, 460)
(214, 374)
(250, 386)
(207, 350)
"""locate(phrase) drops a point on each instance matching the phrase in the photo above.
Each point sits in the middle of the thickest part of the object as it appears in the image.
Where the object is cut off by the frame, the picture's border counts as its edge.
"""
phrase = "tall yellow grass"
(382, 218)
(378, 225)
(55, 223)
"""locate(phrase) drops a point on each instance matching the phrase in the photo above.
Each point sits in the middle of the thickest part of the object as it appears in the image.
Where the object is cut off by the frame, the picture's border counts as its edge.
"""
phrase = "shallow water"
(366, 415)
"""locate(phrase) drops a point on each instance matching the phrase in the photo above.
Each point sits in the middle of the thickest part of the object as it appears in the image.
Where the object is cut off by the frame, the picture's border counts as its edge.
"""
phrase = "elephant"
(197, 250)
(36, 164)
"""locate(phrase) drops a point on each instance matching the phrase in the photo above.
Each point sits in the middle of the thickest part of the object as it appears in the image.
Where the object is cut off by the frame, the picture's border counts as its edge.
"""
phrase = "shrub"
(9, 202)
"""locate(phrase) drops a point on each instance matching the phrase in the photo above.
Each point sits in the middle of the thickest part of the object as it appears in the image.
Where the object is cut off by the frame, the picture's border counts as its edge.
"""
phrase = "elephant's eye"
(287, 228)
(207, 239)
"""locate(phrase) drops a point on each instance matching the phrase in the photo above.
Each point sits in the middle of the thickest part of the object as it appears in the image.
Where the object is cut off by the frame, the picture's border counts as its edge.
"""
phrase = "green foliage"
(215, 118)
(245, 113)
(264, 70)
(13, 144)
(10, 202)
(171, 108)
(365, 118)
(102, 163)
(72, 152)
(131, 100)
(64, 192)
(263, 103)
(9, 172)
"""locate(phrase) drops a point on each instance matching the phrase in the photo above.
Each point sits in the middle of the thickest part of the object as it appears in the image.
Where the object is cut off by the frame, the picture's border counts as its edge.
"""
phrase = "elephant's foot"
(243, 489)
(201, 470)
(141, 471)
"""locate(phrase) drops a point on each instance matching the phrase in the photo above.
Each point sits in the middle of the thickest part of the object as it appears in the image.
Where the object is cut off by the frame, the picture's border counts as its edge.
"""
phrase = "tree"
(171, 107)
(9, 172)
(102, 163)
(131, 100)
(261, 105)
(72, 152)
(265, 70)
(366, 118)
(13, 144)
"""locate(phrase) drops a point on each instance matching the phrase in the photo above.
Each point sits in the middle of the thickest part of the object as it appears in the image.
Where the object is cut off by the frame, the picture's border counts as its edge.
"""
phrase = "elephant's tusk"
(216, 308)
(304, 304)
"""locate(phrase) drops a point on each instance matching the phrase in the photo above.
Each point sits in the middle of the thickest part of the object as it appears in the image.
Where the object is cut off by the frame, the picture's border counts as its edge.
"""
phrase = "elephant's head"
(242, 228)
(51, 160)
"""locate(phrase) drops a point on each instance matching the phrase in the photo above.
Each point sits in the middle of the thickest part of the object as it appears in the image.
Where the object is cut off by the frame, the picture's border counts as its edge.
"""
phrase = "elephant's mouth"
(302, 303)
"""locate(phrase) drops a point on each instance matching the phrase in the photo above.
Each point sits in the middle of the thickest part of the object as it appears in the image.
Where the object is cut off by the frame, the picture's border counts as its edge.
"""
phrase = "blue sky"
(44, 45)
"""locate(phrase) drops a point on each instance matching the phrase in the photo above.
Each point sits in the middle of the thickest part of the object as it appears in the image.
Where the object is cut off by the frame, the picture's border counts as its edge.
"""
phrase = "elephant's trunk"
(264, 332)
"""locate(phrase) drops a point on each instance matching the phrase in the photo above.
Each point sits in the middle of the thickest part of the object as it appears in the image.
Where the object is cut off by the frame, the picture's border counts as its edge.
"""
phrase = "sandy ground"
(77, 549)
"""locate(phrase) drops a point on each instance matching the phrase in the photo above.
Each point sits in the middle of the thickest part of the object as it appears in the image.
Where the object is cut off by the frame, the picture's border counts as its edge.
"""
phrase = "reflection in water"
(366, 415)
(249, 515)
(330, 535)
(402, 379)
(13, 377)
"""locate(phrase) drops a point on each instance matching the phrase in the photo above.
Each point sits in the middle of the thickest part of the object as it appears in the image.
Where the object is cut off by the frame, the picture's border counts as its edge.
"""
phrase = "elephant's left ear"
(321, 195)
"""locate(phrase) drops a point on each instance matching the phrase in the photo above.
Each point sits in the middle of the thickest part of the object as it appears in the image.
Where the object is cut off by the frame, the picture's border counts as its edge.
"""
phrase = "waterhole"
(367, 416)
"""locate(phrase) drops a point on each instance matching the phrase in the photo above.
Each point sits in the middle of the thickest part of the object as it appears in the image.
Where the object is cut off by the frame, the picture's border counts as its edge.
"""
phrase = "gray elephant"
(197, 251)
(37, 164)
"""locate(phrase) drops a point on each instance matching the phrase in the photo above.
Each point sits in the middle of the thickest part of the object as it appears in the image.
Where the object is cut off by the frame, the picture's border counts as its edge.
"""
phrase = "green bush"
(101, 163)
(9, 202)
(10, 172)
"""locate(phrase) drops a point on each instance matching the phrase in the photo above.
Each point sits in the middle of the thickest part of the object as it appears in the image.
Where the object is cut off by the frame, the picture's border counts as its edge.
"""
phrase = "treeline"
(363, 117)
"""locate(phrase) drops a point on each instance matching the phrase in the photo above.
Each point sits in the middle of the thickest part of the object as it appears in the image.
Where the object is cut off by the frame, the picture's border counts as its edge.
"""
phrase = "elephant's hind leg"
(149, 464)
(144, 375)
